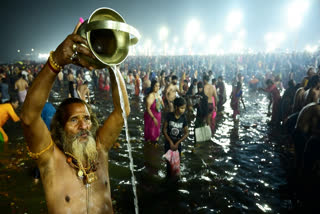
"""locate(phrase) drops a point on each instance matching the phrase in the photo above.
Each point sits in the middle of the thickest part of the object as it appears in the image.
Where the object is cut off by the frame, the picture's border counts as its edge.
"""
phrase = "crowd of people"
(176, 90)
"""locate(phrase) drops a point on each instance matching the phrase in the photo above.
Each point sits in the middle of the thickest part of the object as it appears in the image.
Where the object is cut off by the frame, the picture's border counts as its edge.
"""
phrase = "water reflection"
(239, 170)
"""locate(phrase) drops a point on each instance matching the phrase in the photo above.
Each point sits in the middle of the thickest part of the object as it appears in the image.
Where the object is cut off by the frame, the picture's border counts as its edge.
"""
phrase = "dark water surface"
(243, 169)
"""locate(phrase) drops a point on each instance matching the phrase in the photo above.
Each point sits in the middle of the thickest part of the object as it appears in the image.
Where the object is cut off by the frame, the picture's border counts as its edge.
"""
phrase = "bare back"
(298, 100)
(171, 92)
(312, 95)
(309, 119)
(70, 77)
(21, 84)
(84, 92)
(209, 91)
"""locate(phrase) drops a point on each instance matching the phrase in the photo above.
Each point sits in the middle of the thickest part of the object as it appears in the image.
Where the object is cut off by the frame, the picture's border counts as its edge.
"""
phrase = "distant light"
(163, 34)
(175, 39)
(32, 49)
(18, 51)
(214, 44)
(274, 39)
(271, 48)
(296, 12)
(43, 56)
(311, 49)
(181, 51)
(192, 30)
(242, 33)
(237, 46)
(202, 37)
(234, 20)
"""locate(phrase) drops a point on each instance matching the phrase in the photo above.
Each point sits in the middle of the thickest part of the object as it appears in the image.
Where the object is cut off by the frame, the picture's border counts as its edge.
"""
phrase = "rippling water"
(243, 169)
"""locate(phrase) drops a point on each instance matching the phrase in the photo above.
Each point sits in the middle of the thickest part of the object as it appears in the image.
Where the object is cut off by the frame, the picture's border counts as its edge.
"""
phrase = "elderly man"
(73, 158)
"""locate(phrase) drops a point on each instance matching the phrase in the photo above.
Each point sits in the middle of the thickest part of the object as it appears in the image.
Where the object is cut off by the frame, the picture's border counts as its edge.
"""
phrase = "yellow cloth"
(6, 111)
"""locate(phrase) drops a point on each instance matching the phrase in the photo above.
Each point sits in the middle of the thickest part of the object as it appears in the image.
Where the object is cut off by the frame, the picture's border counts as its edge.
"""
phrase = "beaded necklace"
(87, 173)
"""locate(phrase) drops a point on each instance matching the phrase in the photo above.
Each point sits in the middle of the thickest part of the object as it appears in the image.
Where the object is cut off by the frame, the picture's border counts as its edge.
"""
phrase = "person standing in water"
(21, 85)
(175, 129)
(73, 157)
(236, 97)
(152, 115)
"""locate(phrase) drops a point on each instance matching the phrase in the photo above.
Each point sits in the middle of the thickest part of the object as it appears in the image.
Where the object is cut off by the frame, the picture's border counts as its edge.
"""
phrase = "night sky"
(42, 25)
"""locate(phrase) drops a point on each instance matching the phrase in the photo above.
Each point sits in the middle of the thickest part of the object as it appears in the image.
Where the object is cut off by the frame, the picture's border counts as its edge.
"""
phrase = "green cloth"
(1, 138)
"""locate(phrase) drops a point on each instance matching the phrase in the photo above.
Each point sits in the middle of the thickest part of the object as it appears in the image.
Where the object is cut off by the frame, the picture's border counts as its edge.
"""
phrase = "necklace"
(87, 173)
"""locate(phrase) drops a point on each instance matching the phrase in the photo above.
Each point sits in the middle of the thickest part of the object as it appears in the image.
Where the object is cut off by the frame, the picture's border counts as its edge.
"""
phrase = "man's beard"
(85, 152)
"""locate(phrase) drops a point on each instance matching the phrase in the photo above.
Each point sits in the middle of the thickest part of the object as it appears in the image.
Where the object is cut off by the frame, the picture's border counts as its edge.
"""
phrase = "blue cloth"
(47, 113)
(4, 92)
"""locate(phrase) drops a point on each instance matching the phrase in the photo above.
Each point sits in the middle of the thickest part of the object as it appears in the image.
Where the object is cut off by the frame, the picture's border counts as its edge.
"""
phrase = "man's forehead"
(76, 109)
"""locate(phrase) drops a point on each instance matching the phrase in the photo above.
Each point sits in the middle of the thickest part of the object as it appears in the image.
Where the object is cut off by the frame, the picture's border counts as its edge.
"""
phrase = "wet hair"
(60, 118)
(310, 69)
(291, 83)
(313, 81)
(86, 82)
(179, 101)
(13, 99)
(194, 81)
(269, 81)
(153, 84)
(174, 77)
(200, 85)
(4, 80)
(214, 81)
(162, 72)
(220, 78)
(206, 78)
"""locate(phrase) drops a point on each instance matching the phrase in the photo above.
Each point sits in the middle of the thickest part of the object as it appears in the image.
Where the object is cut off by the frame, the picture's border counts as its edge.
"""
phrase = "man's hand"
(73, 44)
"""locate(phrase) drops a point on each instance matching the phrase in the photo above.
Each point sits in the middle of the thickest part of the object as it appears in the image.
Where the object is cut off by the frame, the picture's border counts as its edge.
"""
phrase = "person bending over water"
(7, 111)
(73, 158)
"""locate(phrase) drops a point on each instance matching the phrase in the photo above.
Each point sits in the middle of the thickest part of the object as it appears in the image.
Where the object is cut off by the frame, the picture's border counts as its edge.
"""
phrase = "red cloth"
(174, 160)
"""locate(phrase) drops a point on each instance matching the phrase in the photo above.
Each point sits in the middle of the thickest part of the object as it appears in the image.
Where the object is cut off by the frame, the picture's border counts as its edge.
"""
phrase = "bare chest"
(66, 192)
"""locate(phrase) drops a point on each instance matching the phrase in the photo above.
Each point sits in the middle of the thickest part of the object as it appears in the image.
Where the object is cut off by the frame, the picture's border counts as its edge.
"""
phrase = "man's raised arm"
(35, 130)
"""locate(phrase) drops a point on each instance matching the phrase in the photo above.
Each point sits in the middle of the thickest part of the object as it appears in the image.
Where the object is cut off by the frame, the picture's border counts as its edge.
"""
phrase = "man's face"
(78, 138)
(174, 81)
(79, 120)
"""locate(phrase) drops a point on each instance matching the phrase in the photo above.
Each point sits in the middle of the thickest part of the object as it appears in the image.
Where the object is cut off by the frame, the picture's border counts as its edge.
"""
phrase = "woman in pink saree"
(152, 115)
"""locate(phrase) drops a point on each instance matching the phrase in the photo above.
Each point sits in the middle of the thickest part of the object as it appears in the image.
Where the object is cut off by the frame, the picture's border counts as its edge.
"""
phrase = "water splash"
(118, 75)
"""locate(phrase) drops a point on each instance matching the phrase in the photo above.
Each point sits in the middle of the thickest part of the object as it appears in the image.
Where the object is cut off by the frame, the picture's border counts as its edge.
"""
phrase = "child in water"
(175, 129)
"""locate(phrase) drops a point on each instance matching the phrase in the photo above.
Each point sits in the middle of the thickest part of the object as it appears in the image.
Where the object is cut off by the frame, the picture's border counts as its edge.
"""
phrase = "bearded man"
(73, 158)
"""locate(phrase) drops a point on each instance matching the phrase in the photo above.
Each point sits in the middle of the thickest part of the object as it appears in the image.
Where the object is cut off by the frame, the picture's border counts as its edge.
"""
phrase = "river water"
(243, 169)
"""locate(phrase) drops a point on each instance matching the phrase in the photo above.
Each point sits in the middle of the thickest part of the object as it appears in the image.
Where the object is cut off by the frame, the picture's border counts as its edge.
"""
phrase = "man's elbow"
(25, 118)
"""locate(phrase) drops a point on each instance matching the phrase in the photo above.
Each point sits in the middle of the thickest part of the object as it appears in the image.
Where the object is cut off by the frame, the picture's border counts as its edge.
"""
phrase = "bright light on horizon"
(311, 49)
(163, 33)
(43, 55)
(234, 20)
(296, 11)
(193, 27)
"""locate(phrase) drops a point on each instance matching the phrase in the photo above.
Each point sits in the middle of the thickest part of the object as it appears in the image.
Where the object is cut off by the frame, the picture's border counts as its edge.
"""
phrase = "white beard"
(85, 152)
